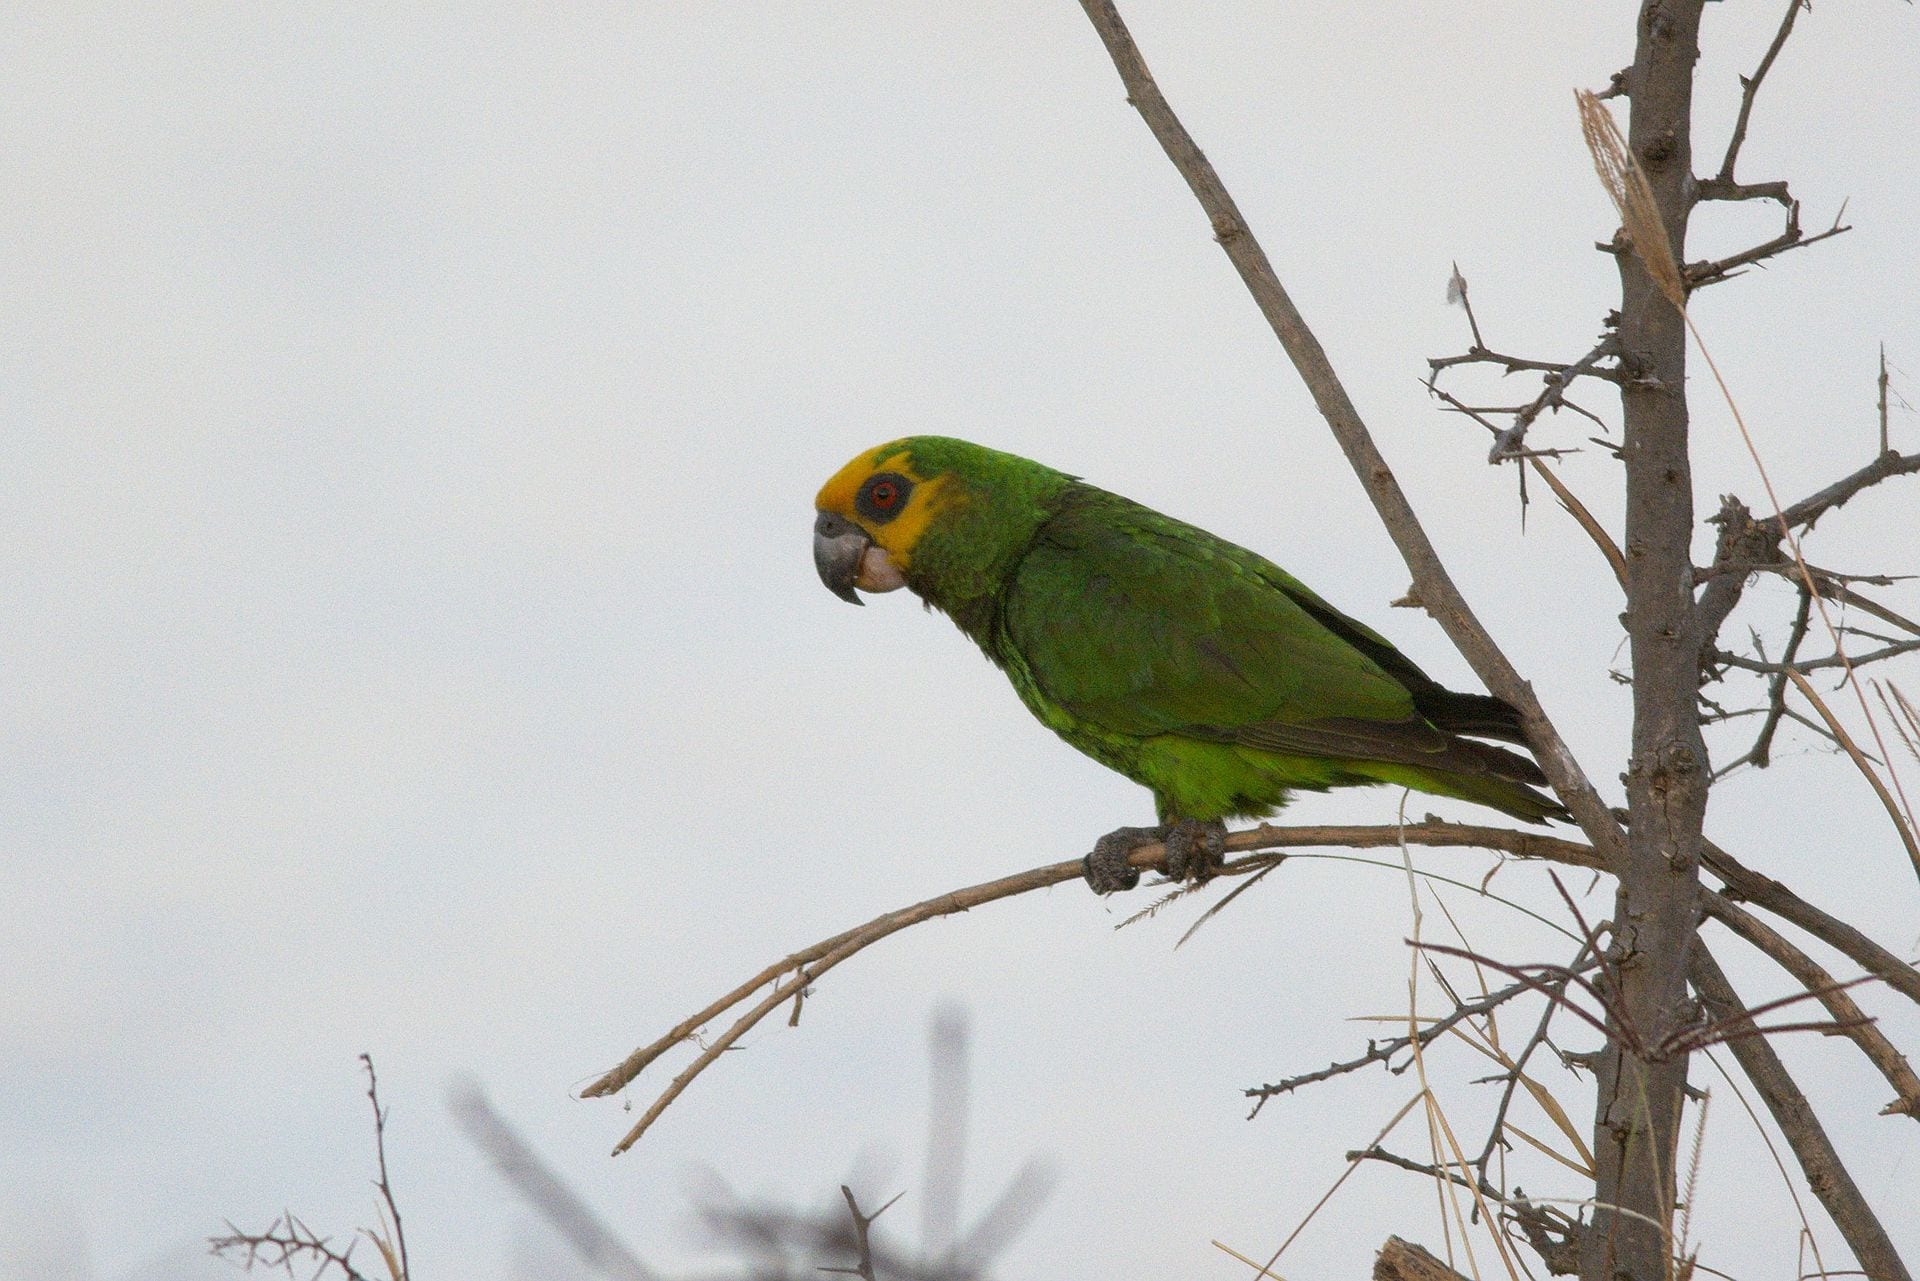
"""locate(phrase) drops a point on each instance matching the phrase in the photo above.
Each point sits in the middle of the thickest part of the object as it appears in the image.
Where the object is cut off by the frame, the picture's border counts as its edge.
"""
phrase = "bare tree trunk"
(1640, 1094)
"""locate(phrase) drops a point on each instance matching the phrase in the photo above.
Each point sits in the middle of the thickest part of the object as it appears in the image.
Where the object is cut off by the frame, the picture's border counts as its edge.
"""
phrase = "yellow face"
(882, 493)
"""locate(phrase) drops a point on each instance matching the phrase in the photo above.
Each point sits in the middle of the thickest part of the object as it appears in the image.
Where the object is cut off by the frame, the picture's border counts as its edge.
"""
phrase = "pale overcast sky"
(409, 424)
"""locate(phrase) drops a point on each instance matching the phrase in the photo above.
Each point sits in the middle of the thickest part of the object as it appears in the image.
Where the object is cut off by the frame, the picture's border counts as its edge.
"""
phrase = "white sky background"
(408, 433)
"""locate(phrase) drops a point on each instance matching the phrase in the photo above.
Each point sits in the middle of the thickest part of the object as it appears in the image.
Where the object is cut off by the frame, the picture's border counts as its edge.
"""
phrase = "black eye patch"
(883, 497)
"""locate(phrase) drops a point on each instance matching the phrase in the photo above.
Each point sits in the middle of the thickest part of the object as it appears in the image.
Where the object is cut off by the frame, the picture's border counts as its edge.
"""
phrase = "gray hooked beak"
(838, 546)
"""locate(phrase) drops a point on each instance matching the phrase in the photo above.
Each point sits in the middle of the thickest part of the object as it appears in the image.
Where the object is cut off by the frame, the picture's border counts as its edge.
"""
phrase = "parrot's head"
(942, 516)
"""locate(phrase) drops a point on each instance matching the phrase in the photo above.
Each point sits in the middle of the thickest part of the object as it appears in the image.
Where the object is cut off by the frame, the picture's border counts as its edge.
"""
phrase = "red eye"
(883, 497)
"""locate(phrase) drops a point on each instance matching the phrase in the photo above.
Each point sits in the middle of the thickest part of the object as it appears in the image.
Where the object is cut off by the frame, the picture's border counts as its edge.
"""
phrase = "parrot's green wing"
(1142, 625)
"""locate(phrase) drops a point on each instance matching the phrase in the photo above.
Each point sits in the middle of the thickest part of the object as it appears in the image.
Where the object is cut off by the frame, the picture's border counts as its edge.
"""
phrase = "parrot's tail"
(1478, 715)
(1496, 778)
(1505, 795)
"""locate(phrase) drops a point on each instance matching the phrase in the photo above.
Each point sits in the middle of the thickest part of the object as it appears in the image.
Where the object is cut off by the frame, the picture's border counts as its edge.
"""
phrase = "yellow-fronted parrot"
(1193, 666)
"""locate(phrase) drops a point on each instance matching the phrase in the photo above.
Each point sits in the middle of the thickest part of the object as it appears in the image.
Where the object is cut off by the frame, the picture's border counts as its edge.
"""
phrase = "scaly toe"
(1195, 850)
(1106, 869)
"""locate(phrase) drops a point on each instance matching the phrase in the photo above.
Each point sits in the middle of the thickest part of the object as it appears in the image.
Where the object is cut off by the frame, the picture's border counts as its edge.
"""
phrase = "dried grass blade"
(1621, 175)
(1585, 1171)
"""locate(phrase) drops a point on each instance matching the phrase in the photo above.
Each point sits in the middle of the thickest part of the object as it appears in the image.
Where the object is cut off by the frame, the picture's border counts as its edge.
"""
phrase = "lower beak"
(838, 547)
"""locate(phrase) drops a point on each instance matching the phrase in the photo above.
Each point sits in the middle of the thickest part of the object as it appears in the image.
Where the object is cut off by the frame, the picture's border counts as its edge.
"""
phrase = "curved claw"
(1195, 850)
(1106, 869)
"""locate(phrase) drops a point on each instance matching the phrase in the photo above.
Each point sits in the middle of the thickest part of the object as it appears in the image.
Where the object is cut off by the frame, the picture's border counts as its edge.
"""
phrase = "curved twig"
(809, 963)
(790, 976)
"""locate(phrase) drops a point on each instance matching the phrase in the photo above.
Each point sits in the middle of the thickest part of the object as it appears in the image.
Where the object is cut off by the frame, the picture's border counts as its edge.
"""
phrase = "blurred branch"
(542, 1189)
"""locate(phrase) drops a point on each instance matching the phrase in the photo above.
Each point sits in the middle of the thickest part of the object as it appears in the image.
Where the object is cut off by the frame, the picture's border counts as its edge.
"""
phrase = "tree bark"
(1404, 1261)
(1640, 1092)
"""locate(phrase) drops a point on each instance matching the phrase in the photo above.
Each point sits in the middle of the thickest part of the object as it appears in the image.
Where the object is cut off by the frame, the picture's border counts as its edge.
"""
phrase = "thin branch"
(1750, 87)
(1744, 885)
(1565, 371)
(1746, 545)
(1866, 605)
(1826, 1174)
(1621, 1029)
(1433, 584)
(286, 1241)
(1881, 381)
(1804, 666)
(1888, 464)
(863, 1265)
(1719, 569)
(1569, 501)
(1553, 395)
(1833, 586)
(1518, 1070)
(1699, 275)
(1553, 1235)
(1457, 292)
(1384, 1157)
(1509, 441)
(1857, 1026)
(397, 1239)
(1383, 1051)
(1760, 753)
(792, 974)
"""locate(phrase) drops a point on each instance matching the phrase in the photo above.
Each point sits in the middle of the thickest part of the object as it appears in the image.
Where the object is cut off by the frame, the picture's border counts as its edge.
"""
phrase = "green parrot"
(1194, 667)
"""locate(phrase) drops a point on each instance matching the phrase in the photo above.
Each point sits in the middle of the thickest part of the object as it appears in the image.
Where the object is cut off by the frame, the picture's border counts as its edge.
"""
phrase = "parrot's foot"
(1106, 868)
(1195, 850)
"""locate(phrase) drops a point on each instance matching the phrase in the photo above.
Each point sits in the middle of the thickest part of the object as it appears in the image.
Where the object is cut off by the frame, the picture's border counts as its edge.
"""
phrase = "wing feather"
(1142, 624)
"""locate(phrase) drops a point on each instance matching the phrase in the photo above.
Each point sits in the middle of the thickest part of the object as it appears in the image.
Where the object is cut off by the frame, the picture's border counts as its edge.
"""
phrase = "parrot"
(1196, 668)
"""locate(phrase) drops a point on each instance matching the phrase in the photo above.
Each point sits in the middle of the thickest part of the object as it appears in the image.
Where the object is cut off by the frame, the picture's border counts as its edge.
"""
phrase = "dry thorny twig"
(288, 1241)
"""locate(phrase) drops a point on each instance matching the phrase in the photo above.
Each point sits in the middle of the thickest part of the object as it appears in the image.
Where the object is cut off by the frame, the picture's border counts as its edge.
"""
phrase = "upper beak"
(838, 545)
